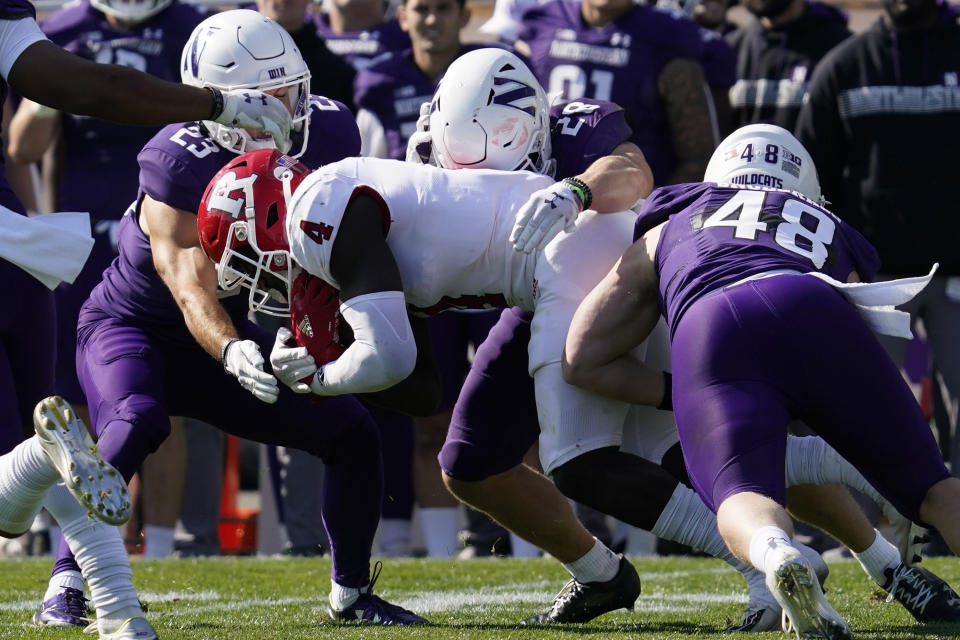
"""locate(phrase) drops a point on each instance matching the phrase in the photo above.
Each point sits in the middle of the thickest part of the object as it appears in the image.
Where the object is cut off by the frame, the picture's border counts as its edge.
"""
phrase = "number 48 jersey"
(719, 234)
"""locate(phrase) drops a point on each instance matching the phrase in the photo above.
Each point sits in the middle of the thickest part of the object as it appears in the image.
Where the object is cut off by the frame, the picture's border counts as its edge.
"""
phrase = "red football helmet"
(241, 226)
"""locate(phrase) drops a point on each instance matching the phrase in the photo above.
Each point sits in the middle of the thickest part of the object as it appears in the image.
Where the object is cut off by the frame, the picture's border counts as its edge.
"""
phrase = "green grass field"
(274, 599)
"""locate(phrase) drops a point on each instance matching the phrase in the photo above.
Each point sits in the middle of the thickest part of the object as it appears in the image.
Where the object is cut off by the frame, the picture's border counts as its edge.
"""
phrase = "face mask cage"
(266, 274)
(240, 141)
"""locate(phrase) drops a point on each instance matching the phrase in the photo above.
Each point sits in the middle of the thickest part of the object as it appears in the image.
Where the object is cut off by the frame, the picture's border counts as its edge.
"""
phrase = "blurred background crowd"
(787, 62)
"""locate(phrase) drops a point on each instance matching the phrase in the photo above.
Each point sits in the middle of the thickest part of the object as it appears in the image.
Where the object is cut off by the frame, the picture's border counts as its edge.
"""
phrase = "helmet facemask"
(240, 141)
(229, 225)
(131, 11)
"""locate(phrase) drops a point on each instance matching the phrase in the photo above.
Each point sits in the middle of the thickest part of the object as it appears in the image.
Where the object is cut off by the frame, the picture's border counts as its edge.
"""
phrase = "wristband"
(217, 102)
(581, 190)
(223, 351)
(667, 403)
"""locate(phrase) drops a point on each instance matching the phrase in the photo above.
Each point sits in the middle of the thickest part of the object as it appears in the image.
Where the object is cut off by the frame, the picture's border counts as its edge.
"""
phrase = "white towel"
(52, 247)
(876, 300)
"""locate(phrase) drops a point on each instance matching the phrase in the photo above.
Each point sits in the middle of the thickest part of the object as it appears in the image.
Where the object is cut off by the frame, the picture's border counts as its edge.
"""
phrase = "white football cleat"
(805, 609)
(93, 482)
(131, 629)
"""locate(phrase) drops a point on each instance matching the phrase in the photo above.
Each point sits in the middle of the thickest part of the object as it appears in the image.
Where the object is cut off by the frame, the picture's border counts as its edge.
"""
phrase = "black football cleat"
(584, 601)
(924, 595)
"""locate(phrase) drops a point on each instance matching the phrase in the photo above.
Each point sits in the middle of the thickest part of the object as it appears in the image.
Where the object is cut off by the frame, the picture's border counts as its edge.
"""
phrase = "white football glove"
(243, 361)
(291, 364)
(545, 213)
(252, 109)
(420, 144)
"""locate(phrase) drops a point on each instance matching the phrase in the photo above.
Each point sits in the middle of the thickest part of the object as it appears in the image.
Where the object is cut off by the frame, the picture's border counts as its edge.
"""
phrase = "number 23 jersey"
(719, 234)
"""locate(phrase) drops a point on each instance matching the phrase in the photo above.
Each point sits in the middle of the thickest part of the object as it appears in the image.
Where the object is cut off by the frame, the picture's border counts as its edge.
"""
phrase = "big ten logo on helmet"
(278, 72)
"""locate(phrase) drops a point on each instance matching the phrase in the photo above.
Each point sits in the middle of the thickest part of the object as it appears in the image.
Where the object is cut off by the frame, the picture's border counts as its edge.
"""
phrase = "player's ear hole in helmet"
(241, 225)
(490, 112)
(243, 49)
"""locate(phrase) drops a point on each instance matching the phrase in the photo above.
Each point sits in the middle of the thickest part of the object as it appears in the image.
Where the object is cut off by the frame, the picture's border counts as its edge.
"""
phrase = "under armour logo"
(249, 98)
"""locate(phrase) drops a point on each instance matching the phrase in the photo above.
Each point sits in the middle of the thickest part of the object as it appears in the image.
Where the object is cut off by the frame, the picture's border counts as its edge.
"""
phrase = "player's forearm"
(207, 320)
(419, 393)
(31, 131)
(618, 180)
(383, 351)
(689, 111)
(611, 321)
(48, 74)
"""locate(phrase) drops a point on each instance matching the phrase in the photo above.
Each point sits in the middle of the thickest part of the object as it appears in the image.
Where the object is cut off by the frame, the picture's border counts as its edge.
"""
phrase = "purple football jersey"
(719, 234)
(99, 173)
(175, 168)
(620, 62)
(363, 48)
(393, 89)
(584, 130)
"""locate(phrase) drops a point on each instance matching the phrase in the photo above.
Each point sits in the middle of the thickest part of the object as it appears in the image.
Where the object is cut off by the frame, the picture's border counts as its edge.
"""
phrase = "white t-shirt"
(15, 37)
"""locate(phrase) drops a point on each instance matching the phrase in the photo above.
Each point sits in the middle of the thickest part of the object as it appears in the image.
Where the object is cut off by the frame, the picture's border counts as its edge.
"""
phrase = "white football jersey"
(448, 230)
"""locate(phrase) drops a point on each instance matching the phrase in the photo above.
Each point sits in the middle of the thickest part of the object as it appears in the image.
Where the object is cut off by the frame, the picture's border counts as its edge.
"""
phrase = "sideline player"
(737, 261)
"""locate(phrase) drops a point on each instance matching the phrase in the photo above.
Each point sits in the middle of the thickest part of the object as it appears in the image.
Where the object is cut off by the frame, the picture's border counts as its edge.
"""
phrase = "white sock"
(440, 525)
(68, 579)
(878, 557)
(394, 537)
(158, 541)
(103, 560)
(597, 565)
(520, 548)
(765, 540)
(25, 476)
(810, 460)
(341, 597)
(687, 520)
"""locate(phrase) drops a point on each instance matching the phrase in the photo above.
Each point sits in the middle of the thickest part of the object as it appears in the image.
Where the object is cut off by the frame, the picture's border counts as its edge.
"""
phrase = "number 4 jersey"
(717, 235)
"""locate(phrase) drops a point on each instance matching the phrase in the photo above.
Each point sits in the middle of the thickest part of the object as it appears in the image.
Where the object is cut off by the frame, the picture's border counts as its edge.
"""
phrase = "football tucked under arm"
(315, 319)
(383, 352)
(314, 336)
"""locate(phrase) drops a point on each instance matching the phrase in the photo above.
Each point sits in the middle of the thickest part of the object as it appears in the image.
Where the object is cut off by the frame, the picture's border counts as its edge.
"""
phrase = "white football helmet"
(131, 11)
(765, 155)
(490, 112)
(243, 49)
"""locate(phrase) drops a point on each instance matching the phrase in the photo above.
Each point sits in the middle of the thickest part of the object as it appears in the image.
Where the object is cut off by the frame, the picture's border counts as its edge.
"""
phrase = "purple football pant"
(69, 298)
(749, 358)
(495, 418)
(450, 334)
(133, 384)
(27, 352)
